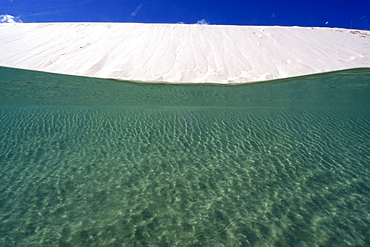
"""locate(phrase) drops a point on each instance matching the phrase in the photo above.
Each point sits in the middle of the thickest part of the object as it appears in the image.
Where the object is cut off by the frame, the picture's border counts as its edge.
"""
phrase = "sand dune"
(181, 53)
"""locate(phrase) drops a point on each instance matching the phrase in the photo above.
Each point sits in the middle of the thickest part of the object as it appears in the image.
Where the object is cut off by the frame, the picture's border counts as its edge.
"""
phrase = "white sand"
(181, 53)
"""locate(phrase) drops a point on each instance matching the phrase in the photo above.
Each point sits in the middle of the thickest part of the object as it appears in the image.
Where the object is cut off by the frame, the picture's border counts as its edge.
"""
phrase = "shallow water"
(93, 162)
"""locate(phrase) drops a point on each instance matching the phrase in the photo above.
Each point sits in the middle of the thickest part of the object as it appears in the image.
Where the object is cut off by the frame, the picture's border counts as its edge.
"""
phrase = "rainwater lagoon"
(95, 162)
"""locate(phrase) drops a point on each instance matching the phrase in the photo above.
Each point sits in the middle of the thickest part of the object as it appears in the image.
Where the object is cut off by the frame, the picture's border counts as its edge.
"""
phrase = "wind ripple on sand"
(179, 53)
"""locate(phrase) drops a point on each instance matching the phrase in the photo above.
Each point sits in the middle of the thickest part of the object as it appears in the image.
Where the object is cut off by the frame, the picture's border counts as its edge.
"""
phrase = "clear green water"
(92, 162)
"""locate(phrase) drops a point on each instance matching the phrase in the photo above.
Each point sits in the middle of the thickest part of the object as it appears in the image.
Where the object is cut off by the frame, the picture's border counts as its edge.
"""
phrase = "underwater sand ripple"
(87, 176)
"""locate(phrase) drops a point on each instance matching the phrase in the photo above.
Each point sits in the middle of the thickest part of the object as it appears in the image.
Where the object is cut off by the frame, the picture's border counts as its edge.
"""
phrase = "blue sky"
(329, 13)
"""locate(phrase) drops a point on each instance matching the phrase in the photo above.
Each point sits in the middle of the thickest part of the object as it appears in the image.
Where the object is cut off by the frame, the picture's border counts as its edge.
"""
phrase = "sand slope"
(181, 53)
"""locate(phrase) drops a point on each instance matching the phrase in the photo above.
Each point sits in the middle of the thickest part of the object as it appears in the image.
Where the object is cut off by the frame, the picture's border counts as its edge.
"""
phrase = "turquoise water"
(93, 162)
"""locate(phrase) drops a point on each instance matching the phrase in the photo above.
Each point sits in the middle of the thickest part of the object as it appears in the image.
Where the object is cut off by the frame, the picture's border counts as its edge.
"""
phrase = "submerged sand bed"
(180, 53)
